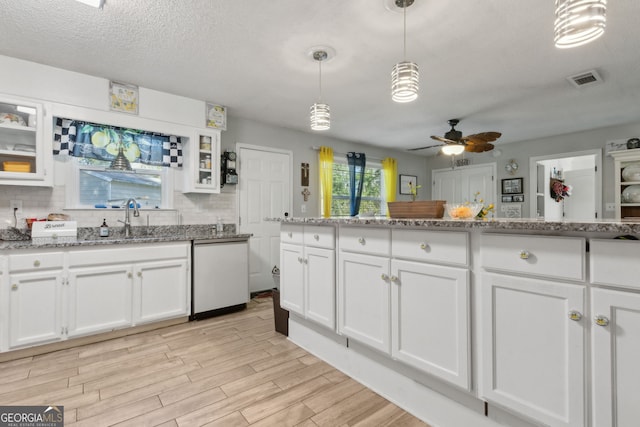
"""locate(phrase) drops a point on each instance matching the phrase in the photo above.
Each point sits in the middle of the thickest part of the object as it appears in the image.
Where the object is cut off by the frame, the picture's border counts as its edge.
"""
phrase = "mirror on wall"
(566, 186)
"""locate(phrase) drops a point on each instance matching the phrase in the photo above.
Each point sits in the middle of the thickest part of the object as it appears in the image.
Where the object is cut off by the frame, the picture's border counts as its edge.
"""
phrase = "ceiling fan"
(455, 143)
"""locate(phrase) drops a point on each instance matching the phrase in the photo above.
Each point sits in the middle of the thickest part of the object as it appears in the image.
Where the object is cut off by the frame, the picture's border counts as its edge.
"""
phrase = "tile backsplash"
(38, 202)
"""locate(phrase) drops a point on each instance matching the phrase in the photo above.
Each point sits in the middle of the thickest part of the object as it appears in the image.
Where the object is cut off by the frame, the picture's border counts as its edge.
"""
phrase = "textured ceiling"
(491, 63)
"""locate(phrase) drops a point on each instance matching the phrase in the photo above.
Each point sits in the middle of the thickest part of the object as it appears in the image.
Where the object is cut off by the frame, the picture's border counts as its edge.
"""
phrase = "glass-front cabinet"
(25, 157)
(202, 162)
(627, 184)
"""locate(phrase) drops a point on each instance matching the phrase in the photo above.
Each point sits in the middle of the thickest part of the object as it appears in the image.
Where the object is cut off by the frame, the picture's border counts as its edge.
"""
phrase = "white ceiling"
(491, 63)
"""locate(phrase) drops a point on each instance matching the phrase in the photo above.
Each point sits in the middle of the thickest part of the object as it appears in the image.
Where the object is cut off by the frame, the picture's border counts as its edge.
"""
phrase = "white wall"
(522, 151)
(31, 80)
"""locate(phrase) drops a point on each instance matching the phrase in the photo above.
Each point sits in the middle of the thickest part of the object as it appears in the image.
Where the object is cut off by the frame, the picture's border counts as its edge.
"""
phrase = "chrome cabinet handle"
(384, 277)
(361, 240)
(14, 287)
(36, 263)
(524, 254)
(575, 315)
(601, 320)
(423, 245)
(315, 236)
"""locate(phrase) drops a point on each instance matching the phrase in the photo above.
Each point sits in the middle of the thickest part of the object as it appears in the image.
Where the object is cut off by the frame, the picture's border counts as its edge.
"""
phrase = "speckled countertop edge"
(89, 236)
(491, 224)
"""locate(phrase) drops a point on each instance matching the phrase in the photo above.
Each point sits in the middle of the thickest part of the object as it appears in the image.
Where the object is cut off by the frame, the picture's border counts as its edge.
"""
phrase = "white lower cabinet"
(533, 348)
(364, 299)
(35, 308)
(430, 319)
(160, 290)
(615, 354)
(100, 299)
(308, 273)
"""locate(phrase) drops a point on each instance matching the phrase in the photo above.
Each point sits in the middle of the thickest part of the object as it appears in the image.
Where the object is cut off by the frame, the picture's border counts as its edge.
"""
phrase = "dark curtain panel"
(357, 162)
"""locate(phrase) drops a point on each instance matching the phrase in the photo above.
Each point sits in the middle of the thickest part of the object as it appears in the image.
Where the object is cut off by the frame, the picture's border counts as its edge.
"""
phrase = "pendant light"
(405, 76)
(579, 22)
(320, 116)
(452, 149)
(120, 163)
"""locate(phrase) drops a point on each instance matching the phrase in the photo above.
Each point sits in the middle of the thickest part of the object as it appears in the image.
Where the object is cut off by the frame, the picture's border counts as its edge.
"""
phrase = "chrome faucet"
(127, 216)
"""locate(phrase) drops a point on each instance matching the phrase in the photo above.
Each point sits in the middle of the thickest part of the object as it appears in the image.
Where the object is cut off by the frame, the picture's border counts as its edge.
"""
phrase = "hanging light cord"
(320, 80)
(404, 4)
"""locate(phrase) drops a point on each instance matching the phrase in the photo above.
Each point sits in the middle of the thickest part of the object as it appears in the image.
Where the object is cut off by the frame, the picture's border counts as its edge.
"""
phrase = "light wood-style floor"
(232, 370)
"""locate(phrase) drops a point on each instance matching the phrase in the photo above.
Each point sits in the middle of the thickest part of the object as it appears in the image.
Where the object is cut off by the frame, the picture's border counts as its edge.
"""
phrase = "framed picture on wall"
(518, 198)
(216, 116)
(512, 186)
(123, 97)
(507, 199)
(405, 180)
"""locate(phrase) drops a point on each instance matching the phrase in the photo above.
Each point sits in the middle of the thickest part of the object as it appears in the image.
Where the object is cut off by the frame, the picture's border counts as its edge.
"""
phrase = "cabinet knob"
(394, 279)
(575, 315)
(290, 234)
(139, 273)
(36, 263)
(524, 254)
(300, 260)
(384, 277)
(601, 320)
(315, 236)
(423, 245)
(129, 275)
(361, 240)
(14, 287)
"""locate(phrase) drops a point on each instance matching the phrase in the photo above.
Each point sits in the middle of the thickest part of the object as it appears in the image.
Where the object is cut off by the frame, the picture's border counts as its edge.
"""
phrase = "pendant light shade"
(120, 163)
(579, 21)
(452, 149)
(405, 78)
(320, 114)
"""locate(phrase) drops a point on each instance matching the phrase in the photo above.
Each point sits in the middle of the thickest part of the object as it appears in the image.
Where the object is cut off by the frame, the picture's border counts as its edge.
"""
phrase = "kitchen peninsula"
(483, 323)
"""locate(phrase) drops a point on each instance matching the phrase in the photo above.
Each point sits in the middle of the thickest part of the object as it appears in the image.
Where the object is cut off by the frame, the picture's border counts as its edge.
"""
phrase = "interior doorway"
(264, 191)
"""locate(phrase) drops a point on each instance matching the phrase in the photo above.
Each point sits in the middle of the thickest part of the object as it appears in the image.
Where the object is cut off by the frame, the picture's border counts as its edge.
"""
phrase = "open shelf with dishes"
(627, 184)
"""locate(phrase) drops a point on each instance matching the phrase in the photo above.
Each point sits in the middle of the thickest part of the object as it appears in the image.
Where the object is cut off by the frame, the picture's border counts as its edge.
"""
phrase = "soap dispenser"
(219, 226)
(104, 228)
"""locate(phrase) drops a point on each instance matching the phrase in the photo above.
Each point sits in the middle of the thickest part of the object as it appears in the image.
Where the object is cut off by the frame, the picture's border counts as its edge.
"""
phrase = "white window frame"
(72, 185)
(369, 164)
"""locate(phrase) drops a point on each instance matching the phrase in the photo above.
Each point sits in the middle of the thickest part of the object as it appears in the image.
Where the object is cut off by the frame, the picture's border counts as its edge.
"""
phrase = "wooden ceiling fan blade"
(445, 140)
(483, 137)
(424, 148)
(478, 148)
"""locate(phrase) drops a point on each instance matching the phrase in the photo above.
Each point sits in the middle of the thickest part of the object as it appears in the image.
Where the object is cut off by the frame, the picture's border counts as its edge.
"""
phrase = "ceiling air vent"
(586, 78)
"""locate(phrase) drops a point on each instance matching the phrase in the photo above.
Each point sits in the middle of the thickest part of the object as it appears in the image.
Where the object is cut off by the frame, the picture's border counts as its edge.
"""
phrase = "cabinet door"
(616, 347)
(160, 290)
(363, 299)
(201, 168)
(320, 281)
(292, 278)
(430, 319)
(99, 299)
(35, 308)
(532, 352)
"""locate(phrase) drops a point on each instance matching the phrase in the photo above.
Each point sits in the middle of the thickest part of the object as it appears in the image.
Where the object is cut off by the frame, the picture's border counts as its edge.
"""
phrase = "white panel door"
(532, 351)
(461, 184)
(364, 299)
(430, 319)
(616, 351)
(581, 206)
(264, 191)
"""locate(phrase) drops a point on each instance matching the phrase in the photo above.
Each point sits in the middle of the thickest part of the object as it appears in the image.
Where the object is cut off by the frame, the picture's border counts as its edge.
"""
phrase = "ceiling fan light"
(405, 82)
(578, 22)
(452, 149)
(320, 117)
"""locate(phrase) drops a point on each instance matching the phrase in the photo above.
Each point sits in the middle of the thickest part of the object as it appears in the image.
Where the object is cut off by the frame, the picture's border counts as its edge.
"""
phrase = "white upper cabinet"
(201, 170)
(25, 153)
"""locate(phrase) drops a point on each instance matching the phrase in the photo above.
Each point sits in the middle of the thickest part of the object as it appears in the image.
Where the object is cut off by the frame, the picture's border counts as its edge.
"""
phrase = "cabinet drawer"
(447, 247)
(291, 233)
(129, 254)
(366, 240)
(613, 262)
(558, 257)
(36, 261)
(319, 236)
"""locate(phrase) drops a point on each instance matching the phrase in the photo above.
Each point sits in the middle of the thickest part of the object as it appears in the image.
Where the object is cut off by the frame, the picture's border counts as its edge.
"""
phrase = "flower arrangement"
(485, 210)
(413, 189)
(558, 190)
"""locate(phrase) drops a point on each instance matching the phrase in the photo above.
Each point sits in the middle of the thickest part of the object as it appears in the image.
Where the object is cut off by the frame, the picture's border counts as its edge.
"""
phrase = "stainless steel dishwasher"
(220, 281)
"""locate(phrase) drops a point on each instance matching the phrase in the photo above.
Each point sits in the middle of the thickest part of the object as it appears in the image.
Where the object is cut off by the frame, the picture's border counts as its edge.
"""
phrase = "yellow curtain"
(390, 174)
(326, 179)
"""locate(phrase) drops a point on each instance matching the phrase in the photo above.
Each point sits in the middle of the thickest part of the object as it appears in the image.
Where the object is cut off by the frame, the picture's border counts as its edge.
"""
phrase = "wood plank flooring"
(232, 370)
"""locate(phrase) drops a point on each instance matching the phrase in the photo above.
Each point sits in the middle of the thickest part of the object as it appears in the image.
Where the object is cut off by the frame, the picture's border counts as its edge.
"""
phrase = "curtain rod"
(316, 148)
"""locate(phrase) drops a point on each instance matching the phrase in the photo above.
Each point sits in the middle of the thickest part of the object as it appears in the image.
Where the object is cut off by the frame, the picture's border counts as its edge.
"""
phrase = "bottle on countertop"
(104, 228)
(219, 226)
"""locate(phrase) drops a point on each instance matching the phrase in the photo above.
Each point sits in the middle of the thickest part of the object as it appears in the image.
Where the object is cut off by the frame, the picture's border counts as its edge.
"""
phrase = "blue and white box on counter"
(54, 232)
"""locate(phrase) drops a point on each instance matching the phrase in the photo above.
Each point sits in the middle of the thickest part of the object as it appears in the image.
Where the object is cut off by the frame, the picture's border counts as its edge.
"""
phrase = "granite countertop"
(88, 236)
(604, 226)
